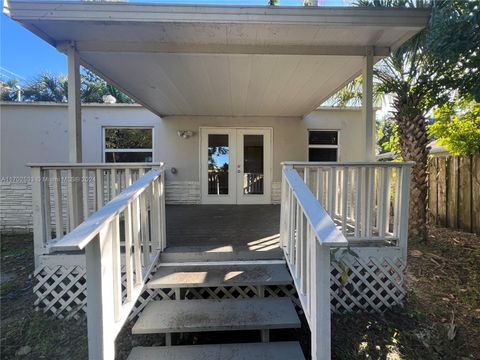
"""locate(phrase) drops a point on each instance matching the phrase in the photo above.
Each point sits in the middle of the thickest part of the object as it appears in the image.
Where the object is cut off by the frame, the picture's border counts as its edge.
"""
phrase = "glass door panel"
(218, 164)
(253, 165)
(254, 173)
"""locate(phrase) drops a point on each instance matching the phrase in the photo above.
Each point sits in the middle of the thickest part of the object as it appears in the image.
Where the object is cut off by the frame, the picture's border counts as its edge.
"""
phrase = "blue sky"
(23, 55)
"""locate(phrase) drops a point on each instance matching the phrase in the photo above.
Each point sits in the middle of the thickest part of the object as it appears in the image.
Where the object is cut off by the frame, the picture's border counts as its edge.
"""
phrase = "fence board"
(442, 192)
(454, 192)
(465, 195)
(476, 195)
(433, 190)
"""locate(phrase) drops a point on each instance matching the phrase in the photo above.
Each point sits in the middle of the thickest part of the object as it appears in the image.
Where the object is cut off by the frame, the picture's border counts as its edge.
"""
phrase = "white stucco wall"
(290, 137)
(38, 133)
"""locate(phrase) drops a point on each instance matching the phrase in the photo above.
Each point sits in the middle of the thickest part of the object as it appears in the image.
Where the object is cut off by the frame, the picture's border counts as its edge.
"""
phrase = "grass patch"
(443, 300)
(443, 278)
(21, 326)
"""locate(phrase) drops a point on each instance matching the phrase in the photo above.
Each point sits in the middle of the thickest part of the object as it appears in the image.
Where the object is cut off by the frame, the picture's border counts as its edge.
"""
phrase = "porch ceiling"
(221, 60)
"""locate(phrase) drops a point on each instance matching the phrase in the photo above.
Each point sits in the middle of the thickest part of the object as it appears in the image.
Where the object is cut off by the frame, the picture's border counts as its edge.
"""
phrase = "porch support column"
(74, 106)
(74, 135)
(367, 104)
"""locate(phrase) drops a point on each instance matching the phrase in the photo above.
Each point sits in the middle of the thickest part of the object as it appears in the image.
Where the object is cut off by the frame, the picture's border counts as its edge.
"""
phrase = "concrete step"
(176, 316)
(225, 253)
(212, 274)
(256, 351)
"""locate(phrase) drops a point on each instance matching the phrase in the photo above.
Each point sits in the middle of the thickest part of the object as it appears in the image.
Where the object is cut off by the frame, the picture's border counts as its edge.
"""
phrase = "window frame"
(132, 150)
(315, 146)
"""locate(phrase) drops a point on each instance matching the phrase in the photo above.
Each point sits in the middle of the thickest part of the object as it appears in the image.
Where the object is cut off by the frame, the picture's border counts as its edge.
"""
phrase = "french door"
(236, 165)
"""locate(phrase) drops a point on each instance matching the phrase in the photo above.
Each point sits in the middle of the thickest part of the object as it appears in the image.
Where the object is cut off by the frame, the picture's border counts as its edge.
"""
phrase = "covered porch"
(341, 229)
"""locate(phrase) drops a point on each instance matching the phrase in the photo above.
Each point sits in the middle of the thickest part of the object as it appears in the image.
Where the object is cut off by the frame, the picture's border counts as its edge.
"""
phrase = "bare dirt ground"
(440, 318)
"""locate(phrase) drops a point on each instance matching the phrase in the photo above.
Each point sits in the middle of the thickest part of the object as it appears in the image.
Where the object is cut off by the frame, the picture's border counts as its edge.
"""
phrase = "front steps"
(209, 315)
(172, 316)
(254, 351)
(222, 253)
(231, 274)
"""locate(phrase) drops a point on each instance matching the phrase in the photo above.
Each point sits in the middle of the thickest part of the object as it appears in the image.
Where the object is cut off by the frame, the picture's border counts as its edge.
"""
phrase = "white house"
(35, 133)
(235, 90)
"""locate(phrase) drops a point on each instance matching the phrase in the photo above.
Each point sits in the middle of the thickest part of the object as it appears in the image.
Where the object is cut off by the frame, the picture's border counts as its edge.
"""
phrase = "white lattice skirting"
(374, 285)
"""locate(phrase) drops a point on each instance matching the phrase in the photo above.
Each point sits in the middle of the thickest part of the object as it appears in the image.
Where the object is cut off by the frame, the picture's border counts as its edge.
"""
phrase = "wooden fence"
(454, 192)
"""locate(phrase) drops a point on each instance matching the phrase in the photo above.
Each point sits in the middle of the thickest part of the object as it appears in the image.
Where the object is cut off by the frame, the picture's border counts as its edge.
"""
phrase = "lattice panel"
(373, 285)
(61, 290)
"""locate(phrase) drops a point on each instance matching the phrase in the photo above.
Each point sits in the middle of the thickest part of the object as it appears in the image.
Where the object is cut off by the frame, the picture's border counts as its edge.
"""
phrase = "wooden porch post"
(74, 133)
(367, 105)
(74, 106)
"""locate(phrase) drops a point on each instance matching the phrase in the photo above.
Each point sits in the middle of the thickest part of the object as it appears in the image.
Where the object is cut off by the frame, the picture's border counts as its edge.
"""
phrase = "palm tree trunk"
(413, 138)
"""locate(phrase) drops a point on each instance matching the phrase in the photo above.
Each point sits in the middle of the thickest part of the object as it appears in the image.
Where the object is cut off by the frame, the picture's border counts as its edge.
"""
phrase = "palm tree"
(92, 88)
(9, 90)
(47, 87)
(352, 95)
(402, 75)
(419, 80)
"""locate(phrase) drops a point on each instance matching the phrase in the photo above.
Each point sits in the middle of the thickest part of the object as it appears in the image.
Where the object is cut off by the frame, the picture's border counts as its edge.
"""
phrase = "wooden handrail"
(139, 210)
(79, 238)
(307, 234)
(66, 166)
(308, 230)
(65, 195)
(368, 201)
(348, 163)
(322, 224)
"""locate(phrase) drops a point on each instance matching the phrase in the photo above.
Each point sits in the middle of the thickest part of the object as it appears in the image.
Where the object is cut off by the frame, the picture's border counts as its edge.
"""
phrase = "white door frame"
(236, 195)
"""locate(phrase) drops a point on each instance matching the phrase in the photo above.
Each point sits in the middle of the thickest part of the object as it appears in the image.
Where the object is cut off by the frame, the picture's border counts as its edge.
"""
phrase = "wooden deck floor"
(227, 228)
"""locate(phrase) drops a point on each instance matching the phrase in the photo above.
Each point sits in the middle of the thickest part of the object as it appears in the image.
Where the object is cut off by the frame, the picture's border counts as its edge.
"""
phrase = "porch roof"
(221, 60)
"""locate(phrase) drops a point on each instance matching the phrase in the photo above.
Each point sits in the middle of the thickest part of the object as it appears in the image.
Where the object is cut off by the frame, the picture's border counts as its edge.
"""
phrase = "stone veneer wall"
(276, 192)
(15, 207)
(182, 192)
(16, 203)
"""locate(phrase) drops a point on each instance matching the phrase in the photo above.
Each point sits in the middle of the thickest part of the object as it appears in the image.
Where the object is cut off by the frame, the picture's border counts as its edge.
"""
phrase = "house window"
(128, 144)
(322, 145)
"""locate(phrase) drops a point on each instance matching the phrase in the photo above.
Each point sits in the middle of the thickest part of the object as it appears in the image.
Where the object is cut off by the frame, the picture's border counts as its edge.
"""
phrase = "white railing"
(64, 195)
(368, 201)
(133, 220)
(253, 183)
(307, 234)
(327, 205)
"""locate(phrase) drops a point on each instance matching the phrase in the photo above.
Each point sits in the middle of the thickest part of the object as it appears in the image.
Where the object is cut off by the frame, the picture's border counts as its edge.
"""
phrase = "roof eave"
(137, 12)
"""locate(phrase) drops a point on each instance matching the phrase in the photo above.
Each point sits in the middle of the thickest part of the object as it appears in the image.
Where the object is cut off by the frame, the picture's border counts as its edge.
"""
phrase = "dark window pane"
(218, 161)
(253, 154)
(119, 157)
(323, 137)
(253, 164)
(128, 138)
(315, 154)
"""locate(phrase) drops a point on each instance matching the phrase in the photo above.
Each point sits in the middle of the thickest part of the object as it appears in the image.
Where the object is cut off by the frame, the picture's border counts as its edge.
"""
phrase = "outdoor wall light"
(185, 134)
